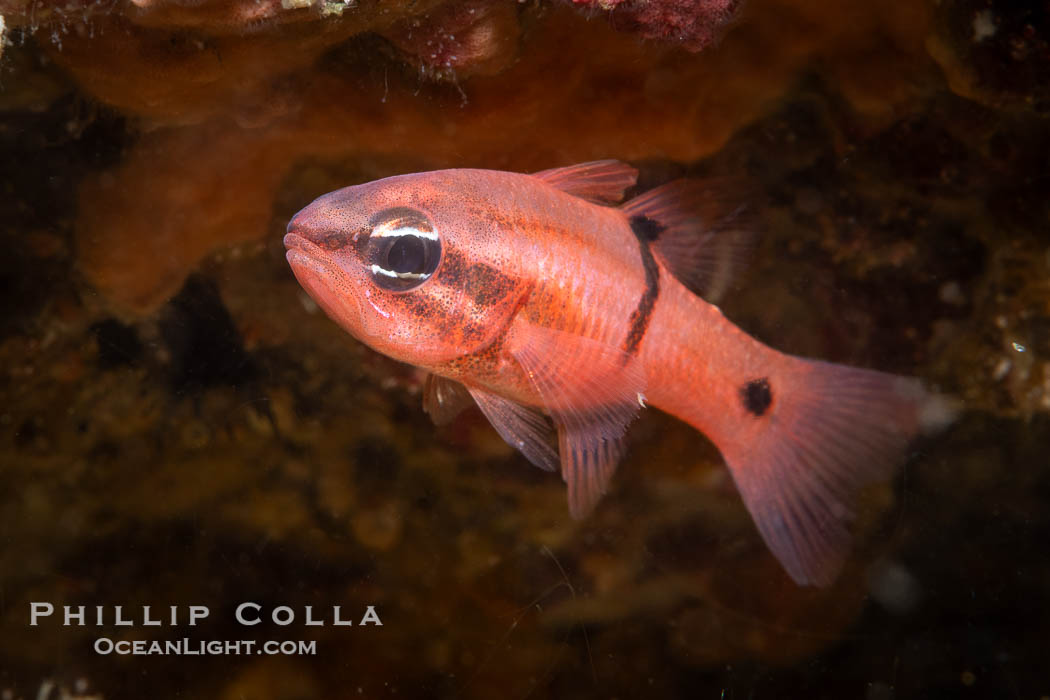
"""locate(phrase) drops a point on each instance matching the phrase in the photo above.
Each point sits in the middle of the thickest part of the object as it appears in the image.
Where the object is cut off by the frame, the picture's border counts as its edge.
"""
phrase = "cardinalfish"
(555, 308)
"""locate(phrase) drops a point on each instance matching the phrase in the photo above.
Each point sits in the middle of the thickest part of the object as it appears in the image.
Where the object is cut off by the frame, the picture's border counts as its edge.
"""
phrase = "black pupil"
(408, 254)
(404, 251)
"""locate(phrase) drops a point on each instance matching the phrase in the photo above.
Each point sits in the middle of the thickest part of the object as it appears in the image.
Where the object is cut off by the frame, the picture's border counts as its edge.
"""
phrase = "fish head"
(401, 267)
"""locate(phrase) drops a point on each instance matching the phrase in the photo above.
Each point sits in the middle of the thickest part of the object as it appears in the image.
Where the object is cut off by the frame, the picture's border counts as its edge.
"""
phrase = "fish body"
(543, 302)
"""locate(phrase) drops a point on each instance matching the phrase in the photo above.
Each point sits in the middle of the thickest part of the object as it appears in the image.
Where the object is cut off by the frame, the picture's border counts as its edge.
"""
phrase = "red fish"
(544, 302)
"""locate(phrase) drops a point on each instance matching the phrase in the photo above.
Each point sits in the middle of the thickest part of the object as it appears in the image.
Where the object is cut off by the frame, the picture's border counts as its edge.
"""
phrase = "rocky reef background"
(180, 425)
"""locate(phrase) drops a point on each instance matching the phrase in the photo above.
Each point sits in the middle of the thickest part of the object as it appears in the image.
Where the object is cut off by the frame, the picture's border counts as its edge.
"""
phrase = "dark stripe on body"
(645, 231)
(485, 284)
(434, 303)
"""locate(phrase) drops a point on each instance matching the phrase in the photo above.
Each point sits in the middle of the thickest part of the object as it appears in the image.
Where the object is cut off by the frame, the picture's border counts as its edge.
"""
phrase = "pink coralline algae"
(694, 24)
(457, 40)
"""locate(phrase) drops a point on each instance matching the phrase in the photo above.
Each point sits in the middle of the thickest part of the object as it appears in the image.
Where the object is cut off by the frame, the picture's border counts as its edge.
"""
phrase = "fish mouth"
(300, 251)
(321, 277)
(312, 266)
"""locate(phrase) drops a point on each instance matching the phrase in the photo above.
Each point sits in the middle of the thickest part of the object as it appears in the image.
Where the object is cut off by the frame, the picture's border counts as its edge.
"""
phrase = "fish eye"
(404, 250)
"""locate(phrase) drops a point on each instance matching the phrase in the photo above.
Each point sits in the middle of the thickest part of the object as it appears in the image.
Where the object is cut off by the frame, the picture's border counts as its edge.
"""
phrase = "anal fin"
(590, 445)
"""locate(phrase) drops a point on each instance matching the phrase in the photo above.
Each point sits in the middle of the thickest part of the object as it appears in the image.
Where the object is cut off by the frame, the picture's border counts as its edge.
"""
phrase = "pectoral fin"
(444, 399)
(593, 390)
(525, 429)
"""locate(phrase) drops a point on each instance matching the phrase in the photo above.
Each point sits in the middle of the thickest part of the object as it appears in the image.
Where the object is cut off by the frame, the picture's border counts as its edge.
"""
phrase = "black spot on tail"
(756, 396)
(647, 230)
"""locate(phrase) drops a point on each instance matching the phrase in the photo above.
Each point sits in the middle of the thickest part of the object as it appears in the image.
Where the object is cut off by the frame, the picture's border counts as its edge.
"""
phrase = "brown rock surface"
(186, 189)
(180, 425)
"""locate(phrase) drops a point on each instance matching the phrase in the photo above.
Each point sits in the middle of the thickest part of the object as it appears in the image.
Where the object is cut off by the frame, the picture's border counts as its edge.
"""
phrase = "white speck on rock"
(951, 293)
(983, 26)
(894, 587)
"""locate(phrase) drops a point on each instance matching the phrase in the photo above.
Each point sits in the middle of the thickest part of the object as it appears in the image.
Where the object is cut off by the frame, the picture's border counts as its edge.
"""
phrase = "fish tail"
(814, 434)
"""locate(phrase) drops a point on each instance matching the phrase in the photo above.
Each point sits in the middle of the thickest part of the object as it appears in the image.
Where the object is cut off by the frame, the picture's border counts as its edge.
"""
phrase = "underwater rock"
(249, 446)
(176, 62)
(997, 53)
(1005, 350)
(578, 91)
(175, 76)
(281, 679)
(210, 17)
(459, 39)
(694, 24)
(757, 614)
(378, 528)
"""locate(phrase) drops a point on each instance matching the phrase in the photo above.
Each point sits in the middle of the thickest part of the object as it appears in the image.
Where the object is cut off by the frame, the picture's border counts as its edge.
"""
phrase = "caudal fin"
(823, 433)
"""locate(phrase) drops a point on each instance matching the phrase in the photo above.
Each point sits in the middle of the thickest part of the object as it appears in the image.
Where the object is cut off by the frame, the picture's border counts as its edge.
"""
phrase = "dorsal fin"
(699, 229)
(599, 181)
